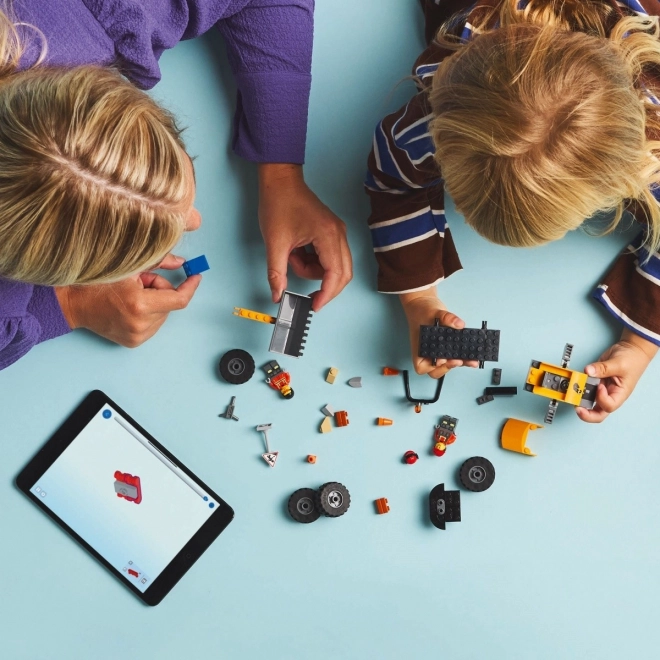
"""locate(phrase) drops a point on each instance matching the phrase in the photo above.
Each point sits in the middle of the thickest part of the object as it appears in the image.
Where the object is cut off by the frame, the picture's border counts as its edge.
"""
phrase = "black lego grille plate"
(439, 342)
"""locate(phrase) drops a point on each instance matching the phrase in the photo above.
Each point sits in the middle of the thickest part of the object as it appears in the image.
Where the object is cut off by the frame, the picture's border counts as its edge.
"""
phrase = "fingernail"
(179, 260)
(590, 370)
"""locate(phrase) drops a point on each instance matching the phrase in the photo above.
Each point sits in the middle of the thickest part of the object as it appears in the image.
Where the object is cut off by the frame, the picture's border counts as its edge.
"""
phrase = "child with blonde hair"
(534, 116)
(96, 186)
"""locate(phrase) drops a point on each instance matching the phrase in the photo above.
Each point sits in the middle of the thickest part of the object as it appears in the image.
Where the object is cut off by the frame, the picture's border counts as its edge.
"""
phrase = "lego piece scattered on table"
(444, 506)
(477, 474)
(514, 435)
(355, 382)
(302, 506)
(278, 379)
(229, 413)
(236, 366)
(291, 323)
(444, 434)
(420, 402)
(390, 371)
(270, 456)
(128, 487)
(562, 384)
(327, 410)
(195, 266)
(333, 499)
(382, 505)
(326, 425)
(501, 391)
(486, 398)
(332, 374)
(383, 421)
(410, 457)
(311, 458)
(341, 418)
(440, 342)
(496, 378)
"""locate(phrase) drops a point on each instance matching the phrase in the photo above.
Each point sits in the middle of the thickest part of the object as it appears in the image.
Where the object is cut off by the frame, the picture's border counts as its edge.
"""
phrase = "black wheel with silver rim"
(333, 499)
(302, 506)
(477, 474)
(236, 366)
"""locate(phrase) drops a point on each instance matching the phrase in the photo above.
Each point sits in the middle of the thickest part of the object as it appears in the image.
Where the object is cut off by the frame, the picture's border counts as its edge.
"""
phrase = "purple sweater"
(269, 46)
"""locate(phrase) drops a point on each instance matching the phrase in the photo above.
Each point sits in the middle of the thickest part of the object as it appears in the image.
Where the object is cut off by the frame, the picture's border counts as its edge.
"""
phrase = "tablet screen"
(124, 497)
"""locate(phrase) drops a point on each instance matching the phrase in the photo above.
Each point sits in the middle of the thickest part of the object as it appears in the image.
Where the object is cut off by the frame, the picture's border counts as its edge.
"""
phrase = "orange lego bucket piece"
(514, 435)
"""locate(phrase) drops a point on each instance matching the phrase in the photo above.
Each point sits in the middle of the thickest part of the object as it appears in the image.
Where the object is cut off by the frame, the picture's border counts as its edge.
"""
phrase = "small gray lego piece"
(127, 490)
(355, 382)
(486, 398)
(496, 378)
(229, 413)
(327, 410)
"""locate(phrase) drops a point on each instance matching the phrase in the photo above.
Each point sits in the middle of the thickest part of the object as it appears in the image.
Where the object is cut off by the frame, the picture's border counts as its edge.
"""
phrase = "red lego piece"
(381, 505)
(130, 480)
(439, 448)
(410, 457)
(341, 418)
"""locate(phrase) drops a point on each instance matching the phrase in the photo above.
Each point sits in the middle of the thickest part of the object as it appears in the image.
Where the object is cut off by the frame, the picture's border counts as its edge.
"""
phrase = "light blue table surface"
(557, 560)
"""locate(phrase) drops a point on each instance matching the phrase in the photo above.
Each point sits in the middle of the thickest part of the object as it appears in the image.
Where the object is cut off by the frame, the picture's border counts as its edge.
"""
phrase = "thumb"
(450, 320)
(277, 259)
(604, 369)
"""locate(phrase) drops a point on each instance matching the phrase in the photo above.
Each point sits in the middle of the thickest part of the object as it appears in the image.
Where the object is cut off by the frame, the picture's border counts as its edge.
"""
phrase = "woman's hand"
(291, 216)
(422, 308)
(127, 312)
(620, 367)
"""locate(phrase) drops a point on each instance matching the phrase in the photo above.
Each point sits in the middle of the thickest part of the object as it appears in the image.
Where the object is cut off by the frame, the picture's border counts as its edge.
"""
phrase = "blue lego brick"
(196, 266)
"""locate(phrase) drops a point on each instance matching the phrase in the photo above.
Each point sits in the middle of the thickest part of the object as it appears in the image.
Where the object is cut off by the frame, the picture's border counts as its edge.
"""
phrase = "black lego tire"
(236, 366)
(302, 506)
(333, 499)
(477, 474)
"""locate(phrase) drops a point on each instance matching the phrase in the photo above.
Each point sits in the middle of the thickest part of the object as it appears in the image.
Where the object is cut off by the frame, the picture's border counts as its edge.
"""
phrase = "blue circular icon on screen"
(211, 505)
(107, 414)
(206, 499)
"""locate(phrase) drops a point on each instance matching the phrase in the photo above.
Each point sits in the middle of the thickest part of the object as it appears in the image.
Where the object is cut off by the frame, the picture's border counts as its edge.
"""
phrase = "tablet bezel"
(63, 437)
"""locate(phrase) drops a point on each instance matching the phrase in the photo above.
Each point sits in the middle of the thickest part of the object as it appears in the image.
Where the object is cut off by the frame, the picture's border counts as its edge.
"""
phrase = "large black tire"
(333, 499)
(302, 506)
(236, 366)
(477, 474)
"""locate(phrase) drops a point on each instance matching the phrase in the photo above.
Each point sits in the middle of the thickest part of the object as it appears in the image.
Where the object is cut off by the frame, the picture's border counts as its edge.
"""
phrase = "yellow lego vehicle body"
(559, 383)
(556, 382)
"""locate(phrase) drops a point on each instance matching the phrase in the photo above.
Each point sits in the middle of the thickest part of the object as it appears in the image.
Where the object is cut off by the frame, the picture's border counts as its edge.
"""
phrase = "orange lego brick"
(381, 505)
(341, 418)
(311, 458)
(383, 421)
(390, 371)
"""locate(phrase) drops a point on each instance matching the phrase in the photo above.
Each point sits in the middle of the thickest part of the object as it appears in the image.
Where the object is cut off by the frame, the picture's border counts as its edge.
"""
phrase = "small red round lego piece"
(410, 457)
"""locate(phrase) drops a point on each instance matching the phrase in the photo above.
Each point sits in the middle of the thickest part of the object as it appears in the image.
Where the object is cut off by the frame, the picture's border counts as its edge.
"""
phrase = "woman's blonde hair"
(543, 119)
(93, 173)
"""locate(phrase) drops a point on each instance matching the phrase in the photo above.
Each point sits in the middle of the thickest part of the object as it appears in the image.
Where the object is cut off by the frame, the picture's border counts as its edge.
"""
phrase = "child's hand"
(291, 216)
(127, 312)
(620, 367)
(422, 308)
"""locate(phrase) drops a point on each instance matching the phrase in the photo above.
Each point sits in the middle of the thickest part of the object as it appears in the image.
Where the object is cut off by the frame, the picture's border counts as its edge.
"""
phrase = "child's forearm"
(431, 292)
(648, 347)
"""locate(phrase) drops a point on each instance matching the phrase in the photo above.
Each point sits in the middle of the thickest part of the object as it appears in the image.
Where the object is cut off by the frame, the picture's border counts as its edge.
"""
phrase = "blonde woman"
(96, 187)
(534, 115)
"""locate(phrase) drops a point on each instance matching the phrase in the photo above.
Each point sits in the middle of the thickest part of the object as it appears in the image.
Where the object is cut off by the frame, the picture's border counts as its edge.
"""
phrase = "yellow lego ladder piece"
(253, 316)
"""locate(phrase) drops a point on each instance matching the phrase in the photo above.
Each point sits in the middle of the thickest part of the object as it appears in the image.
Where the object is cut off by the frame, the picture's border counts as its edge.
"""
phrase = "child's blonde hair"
(543, 122)
(93, 173)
